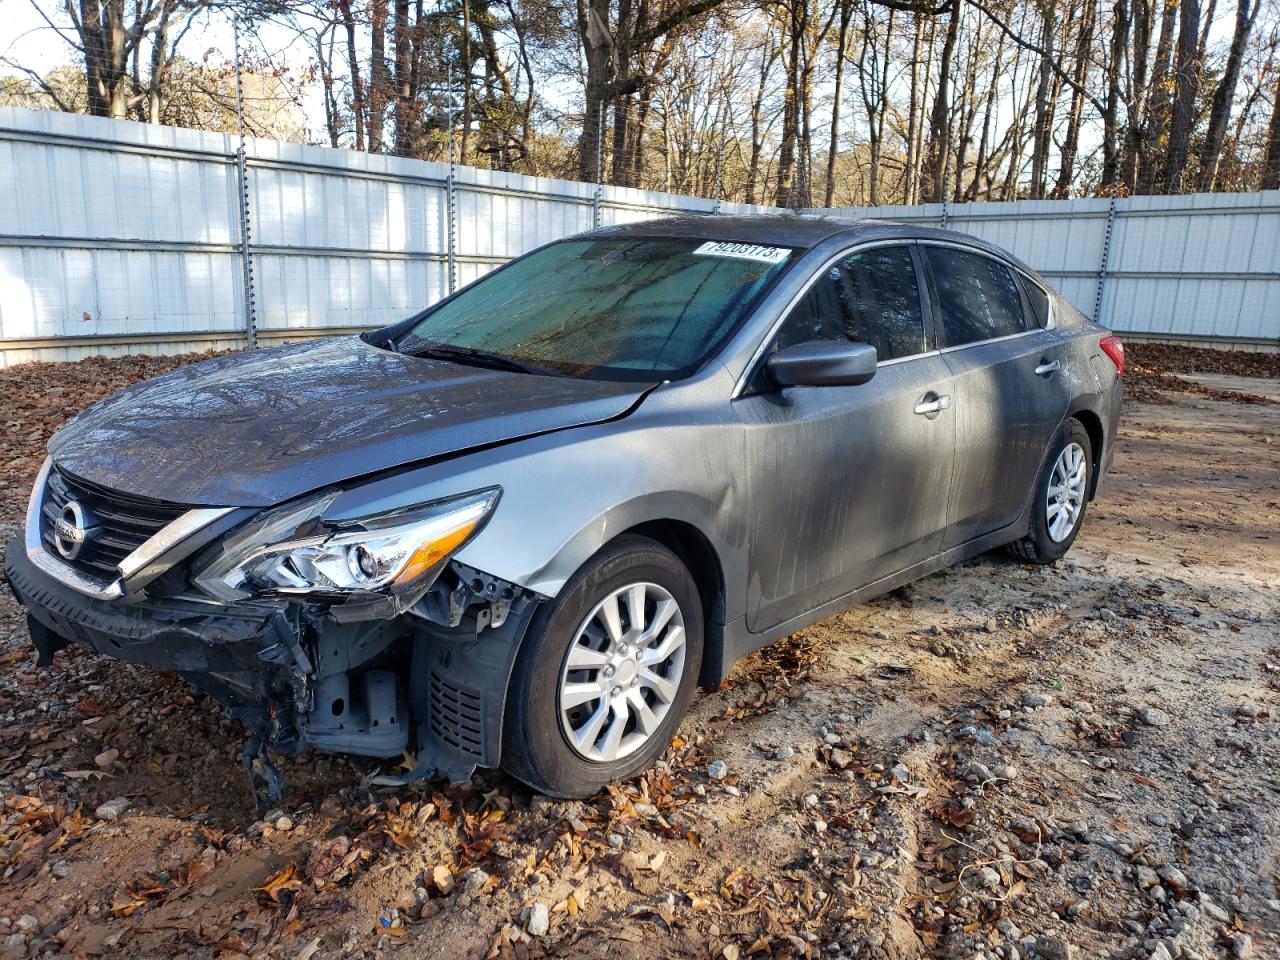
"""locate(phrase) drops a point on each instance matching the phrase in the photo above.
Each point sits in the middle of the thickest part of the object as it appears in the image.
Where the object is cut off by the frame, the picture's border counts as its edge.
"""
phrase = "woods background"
(798, 103)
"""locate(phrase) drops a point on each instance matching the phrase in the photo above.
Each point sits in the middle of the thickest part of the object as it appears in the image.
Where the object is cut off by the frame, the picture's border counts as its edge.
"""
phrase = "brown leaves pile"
(789, 661)
(31, 830)
(38, 398)
(147, 890)
(1151, 367)
(1180, 359)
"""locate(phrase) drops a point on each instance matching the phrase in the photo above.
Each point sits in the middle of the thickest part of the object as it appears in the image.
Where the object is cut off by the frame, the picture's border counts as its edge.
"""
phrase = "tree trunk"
(1138, 106)
(876, 120)
(636, 138)
(353, 64)
(1080, 72)
(833, 146)
(939, 132)
(786, 191)
(911, 187)
(1119, 43)
(377, 73)
(1186, 85)
(465, 146)
(768, 56)
(325, 59)
(1271, 162)
(403, 80)
(159, 65)
(1150, 146)
(95, 56)
(1040, 137)
(984, 144)
(1220, 113)
(597, 45)
(621, 141)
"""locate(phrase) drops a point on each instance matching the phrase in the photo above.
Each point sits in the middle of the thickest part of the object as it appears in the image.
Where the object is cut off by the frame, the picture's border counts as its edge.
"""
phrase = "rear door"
(1009, 391)
(847, 481)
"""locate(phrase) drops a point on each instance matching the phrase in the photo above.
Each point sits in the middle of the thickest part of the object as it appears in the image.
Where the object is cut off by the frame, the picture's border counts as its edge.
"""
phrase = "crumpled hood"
(254, 429)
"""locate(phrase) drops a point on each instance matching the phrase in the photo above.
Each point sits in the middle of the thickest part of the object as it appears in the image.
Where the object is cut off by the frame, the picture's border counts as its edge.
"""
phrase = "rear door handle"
(932, 404)
(1047, 367)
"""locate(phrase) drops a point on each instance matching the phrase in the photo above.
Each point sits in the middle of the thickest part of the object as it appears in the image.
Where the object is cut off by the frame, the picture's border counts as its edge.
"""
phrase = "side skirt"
(739, 641)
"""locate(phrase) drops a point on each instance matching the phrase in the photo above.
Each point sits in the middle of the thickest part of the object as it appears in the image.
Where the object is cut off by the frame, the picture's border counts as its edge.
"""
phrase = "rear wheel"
(606, 673)
(1061, 497)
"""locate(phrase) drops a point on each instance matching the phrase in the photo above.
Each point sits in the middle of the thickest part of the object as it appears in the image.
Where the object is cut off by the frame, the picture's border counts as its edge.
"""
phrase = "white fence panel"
(118, 236)
(1197, 267)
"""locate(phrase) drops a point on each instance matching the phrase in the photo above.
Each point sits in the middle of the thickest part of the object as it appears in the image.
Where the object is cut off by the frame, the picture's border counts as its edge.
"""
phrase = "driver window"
(823, 313)
(870, 297)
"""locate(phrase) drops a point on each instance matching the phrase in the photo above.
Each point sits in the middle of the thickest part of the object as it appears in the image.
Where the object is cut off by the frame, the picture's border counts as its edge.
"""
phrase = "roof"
(793, 230)
(787, 229)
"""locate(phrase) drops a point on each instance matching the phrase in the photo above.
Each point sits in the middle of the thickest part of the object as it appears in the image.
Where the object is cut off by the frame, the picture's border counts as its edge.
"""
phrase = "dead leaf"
(324, 858)
(282, 886)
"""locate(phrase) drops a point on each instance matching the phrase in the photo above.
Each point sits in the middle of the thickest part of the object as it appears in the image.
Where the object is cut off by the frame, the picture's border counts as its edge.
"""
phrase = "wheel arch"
(1092, 424)
(700, 558)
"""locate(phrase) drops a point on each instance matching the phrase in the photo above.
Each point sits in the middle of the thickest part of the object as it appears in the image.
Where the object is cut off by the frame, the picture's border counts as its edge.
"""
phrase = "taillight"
(1114, 349)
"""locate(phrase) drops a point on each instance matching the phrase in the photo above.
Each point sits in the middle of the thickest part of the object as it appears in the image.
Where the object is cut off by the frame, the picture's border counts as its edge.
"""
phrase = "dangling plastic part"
(265, 780)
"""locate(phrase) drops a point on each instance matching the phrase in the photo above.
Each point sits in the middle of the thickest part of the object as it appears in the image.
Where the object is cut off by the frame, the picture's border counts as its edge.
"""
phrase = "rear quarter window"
(1039, 301)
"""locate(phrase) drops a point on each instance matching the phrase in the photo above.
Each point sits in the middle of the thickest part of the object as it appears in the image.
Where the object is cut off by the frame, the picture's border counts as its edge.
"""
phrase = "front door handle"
(1047, 367)
(932, 404)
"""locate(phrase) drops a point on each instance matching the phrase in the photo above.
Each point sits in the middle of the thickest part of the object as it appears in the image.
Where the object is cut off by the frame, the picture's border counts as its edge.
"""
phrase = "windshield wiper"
(476, 358)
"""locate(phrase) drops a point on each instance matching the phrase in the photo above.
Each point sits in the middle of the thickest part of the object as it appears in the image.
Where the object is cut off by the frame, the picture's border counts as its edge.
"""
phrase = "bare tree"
(1186, 85)
(1224, 94)
(1271, 160)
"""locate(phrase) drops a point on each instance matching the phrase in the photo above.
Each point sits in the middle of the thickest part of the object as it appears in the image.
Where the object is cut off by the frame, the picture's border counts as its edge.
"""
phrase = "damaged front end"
(361, 637)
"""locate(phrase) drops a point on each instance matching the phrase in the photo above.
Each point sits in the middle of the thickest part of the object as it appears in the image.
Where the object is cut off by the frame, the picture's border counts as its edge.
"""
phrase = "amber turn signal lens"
(433, 551)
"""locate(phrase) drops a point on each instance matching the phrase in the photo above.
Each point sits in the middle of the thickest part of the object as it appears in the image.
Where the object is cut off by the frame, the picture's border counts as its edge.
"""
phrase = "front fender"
(565, 495)
(671, 505)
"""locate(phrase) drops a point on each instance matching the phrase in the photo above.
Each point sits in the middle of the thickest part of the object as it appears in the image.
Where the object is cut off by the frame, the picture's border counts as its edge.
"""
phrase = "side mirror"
(823, 363)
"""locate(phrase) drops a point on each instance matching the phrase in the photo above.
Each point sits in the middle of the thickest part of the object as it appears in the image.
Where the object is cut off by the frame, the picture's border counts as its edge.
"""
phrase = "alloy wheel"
(1064, 500)
(622, 672)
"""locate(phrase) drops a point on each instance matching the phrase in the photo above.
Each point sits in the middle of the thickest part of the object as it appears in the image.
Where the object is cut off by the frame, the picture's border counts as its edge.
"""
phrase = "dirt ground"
(997, 761)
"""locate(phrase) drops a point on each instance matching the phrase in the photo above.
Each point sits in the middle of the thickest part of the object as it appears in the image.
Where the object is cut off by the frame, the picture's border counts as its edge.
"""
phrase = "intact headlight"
(295, 551)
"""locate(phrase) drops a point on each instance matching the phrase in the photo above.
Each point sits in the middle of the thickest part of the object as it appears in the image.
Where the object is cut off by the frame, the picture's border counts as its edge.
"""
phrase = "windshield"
(616, 309)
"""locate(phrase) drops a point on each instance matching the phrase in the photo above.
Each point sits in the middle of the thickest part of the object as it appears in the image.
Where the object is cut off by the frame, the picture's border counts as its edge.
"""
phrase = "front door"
(847, 483)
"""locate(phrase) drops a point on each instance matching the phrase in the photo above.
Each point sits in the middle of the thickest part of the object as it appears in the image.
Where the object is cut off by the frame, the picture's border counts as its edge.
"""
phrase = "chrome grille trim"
(151, 549)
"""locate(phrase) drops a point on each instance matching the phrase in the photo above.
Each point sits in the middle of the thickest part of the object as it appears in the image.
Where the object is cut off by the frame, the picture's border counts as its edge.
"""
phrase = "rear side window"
(871, 297)
(977, 296)
(1039, 301)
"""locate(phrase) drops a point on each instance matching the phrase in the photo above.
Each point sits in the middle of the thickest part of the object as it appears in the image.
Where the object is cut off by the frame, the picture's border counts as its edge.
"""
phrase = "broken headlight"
(295, 551)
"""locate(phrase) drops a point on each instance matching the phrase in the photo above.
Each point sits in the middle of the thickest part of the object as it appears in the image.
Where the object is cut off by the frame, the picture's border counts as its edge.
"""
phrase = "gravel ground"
(997, 761)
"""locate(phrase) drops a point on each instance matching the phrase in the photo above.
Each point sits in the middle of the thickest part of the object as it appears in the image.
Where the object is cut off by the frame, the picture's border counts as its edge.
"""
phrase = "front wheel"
(606, 673)
(1061, 497)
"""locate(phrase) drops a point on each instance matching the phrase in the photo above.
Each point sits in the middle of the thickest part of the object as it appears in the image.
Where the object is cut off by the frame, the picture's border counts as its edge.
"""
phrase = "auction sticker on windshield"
(743, 251)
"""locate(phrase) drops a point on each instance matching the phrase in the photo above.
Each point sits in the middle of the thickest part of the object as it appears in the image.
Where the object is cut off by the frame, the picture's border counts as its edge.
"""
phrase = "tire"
(542, 739)
(1045, 544)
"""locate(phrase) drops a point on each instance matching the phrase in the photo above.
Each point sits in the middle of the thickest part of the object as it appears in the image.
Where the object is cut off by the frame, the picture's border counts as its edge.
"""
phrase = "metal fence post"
(1104, 260)
(242, 177)
(451, 232)
(450, 198)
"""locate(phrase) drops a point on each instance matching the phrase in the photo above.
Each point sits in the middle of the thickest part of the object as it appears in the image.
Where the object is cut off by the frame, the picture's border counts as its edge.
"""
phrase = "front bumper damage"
(368, 679)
